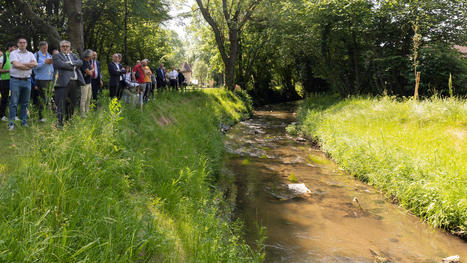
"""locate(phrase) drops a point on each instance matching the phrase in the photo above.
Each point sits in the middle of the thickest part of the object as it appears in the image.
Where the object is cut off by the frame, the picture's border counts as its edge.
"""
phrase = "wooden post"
(417, 83)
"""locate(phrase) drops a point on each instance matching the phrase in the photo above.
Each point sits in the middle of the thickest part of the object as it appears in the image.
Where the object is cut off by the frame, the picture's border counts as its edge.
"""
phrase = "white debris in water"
(299, 189)
(452, 259)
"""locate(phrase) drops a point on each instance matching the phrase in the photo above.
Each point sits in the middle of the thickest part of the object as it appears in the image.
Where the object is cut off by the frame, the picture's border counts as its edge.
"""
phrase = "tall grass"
(124, 186)
(416, 152)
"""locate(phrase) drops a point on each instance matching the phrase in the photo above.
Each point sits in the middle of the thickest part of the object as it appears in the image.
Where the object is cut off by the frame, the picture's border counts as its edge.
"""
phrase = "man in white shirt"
(22, 63)
(173, 74)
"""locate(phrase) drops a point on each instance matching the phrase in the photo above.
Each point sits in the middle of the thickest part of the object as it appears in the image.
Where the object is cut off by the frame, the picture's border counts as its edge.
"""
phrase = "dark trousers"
(116, 91)
(120, 89)
(5, 92)
(96, 88)
(66, 99)
(153, 87)
(113, 91)
(148, 90)
(182, 86)
(173, 84)
(38, 95)
(161, 85)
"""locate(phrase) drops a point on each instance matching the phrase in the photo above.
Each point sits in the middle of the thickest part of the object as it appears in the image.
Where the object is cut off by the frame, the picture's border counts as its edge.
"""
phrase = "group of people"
(140, 81)
(25, 75)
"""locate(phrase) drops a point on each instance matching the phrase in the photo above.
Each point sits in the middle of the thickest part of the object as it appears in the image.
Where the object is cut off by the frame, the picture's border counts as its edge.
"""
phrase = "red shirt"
(140, 78)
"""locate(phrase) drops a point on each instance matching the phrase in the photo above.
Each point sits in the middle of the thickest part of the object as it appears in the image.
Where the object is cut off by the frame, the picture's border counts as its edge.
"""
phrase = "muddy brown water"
(328, 225)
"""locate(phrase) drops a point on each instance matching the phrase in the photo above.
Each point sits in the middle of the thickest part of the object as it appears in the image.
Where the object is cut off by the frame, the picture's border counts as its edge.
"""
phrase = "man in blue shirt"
(43, 73)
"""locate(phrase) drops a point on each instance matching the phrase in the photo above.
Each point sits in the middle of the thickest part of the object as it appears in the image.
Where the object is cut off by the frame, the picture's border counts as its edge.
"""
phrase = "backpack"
(137, 74)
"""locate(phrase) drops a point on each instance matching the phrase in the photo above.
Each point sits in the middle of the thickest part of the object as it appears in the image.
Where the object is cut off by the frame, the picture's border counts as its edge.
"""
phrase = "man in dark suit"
(70, 78)
(116, 72)
(160, 77)
(96, 78)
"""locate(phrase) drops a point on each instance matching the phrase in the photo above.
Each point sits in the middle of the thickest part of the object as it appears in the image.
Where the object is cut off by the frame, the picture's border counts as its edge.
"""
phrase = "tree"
(234, 15)
(73, 11)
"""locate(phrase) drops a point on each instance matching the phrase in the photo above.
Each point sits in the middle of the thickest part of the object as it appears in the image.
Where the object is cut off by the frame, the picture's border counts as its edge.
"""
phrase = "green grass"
(123, 186)
(415, 151)
(315, 159)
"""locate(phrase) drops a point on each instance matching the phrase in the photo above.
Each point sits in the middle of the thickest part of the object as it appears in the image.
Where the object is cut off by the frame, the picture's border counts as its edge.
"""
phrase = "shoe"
(11, 127)
(17, 119)
(43, 120)
(4, 118)
(25, 125)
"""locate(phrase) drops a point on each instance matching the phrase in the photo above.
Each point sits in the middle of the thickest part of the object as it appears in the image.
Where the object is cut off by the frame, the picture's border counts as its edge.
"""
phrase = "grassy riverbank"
(122, 186)
(416, 152)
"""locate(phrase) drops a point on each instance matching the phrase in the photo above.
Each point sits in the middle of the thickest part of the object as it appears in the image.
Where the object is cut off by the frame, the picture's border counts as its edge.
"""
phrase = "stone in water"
(299, 189)
(452, 259)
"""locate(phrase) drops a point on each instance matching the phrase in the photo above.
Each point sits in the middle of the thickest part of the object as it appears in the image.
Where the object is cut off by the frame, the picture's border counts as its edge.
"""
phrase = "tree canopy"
(275, 49)
(348, 47)
(131, 27)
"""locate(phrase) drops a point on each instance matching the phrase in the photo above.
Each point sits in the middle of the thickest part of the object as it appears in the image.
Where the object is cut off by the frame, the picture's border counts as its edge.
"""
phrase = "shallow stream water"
(341, 220)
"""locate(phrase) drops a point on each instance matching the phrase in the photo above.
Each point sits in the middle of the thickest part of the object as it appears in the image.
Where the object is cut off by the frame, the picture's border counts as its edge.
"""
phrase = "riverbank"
(415, 152)
(123, 186)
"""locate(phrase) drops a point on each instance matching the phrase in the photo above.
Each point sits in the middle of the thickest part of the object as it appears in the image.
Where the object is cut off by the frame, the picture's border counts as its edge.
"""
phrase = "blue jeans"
(20, 93)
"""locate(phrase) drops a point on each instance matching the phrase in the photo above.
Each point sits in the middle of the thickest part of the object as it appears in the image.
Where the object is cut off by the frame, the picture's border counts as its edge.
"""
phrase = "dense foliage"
(104, 29)
(415, 152)
(122, 186)
(348, 47)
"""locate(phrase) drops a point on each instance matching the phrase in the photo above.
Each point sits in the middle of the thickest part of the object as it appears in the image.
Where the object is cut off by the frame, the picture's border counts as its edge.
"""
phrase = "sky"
(178, 23)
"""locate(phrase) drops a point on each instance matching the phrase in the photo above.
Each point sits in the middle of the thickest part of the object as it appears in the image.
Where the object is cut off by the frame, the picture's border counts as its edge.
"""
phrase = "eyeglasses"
(65, 46)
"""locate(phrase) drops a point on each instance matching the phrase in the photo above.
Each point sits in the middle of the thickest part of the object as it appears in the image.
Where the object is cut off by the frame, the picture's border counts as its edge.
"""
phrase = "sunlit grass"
(414, 151)
(315, 159)
(123, 186)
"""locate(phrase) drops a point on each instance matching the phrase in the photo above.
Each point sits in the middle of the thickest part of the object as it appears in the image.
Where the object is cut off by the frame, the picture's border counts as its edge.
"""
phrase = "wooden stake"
(417, 83)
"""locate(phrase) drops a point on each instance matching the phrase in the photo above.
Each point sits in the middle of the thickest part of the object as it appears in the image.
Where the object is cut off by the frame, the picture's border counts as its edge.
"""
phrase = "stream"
(340, 220)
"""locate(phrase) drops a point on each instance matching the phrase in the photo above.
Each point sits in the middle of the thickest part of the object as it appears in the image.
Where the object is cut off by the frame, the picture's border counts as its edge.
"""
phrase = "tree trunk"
(231, 60)
(234, 24)
(230, 75)
(73, 11)
(125, 39)
(356, 68)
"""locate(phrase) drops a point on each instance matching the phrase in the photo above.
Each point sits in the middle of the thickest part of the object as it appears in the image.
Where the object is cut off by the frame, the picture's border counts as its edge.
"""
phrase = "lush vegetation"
(277, 49)
(343, 46)
(122, 186)
(130, 27)
(416, 152)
